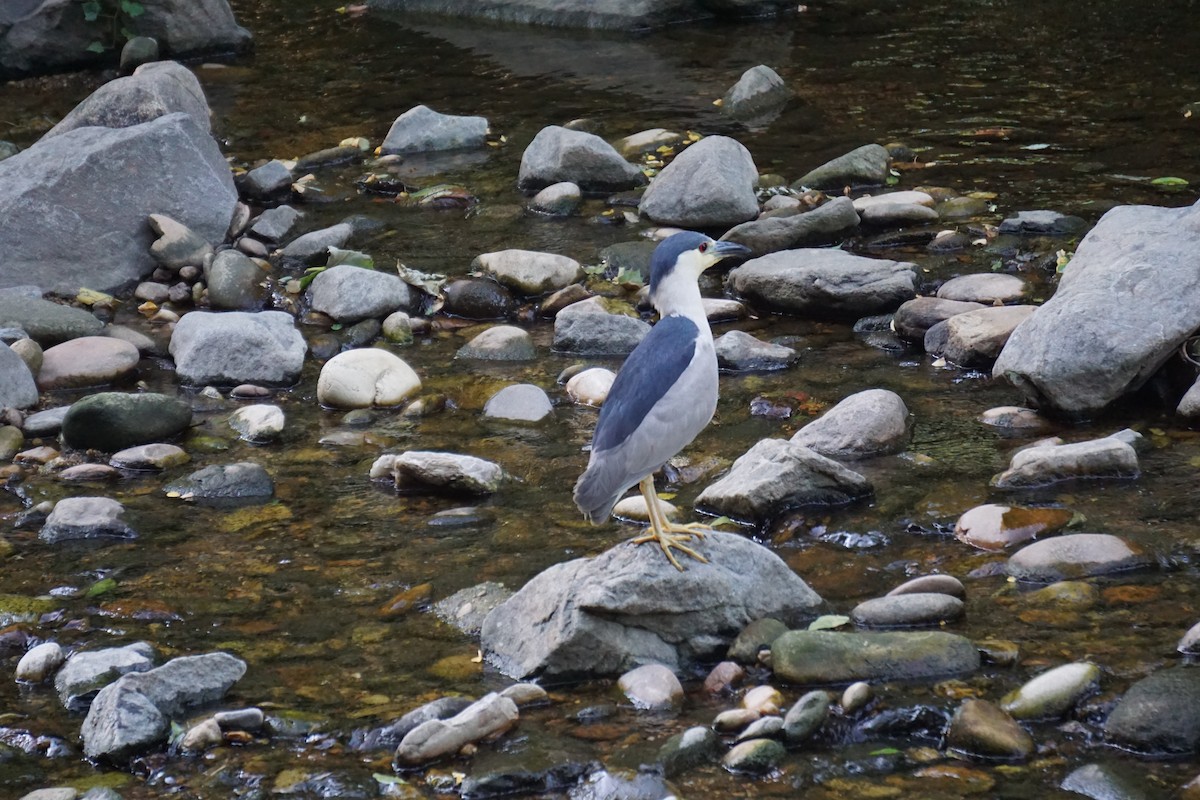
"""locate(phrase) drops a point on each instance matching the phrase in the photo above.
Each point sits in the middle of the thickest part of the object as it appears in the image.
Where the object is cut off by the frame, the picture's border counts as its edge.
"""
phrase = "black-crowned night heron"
(664, 395)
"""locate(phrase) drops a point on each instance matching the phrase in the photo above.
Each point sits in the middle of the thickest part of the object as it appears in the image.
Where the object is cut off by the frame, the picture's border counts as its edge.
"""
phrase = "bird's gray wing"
(652, 368)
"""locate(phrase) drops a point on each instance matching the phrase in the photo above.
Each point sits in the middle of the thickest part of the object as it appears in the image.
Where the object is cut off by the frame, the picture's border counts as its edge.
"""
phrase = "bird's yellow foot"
(668, 540)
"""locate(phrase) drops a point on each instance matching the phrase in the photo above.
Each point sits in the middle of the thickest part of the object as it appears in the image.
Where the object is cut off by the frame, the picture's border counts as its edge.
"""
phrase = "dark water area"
(1068, 106)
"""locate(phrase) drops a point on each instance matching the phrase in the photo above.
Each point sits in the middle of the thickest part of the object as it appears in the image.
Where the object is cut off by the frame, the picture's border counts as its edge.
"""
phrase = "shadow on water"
(1069, 106)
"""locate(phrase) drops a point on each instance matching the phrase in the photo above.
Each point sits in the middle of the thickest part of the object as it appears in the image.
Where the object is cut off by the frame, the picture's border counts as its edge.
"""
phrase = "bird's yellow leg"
(668, 535)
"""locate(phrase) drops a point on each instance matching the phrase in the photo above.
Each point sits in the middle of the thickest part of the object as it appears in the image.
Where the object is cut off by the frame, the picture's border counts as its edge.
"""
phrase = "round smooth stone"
(86, 361)
(364, 378)
(522, 402)
(591, 386)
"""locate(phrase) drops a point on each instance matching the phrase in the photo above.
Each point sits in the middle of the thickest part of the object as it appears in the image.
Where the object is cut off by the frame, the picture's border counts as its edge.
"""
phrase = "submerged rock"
(242, 481)
(805, 717)
(1049, 463)
(710, 184)
(869, 423)
(487, 717)
(418, 470)
(522, 402)
(979, 728)
(686, 751)
(629, 606)
(112, 421)
(558, 154)
(87, 671)
(742, 352)
(824, 283)
(865, 166)
(1076, 555)
(1053, 692)
(995, 527)
(821, 657)
(86, 518)
(421, 129)
(822, 225)
(759, 90)
(1159, 715)
(652, 687)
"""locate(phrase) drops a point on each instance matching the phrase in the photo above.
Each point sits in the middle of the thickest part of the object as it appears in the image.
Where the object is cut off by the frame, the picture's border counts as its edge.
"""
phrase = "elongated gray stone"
(821, 657)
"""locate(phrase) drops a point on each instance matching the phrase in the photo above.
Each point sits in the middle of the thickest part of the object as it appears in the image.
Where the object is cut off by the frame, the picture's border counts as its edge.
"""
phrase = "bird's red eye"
(703, 247)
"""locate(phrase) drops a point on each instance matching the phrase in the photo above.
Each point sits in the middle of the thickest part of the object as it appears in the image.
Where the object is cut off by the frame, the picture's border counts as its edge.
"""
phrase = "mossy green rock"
(822, 657)
(112, 421)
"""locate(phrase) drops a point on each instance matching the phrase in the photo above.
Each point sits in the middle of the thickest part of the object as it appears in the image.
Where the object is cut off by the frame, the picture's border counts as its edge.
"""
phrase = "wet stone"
(1045, 464)
(1077, 555)
(723, 678)
(422, 130)
(1108, 782)
(242, 481)
(85, 518)
(156, 456)
(587, 328)
(735, 719)
(270, 180)
(856, 697)
(11, 441)
(987, 288)
(864, 166)
(177, 245)
(907, 610)
(763, 699)
(652, 687)
(478, 298)
(522, 402)
(764, 728)
(708, 185)
(981, 729)
(1159, 714)
(939, 584)
(1052, 693)
(557, 200)
(805, 718)
(314, 245)
(822, 657)
(418, 470)
(869, 423)
(1014, 418)
(756, 756)
(389, 736)
(52, 793)
(756, 636)
(1074, 595)
(974, 339)
(741, 352)
(86, 671)
(85, 362)
(685, 751)
(236, 347)
(1189, 644)
(591, 386)
(887, 215)
(528, 272)
(486, 717)
(258, 423)
(348, 293)
(995, 527)
(274, 224)
(759, 90)
(365, 377)
(557, 154)
(915, 317)
(501, 343)
(40, 662)
(1043, 222)
(89, 473)
(45, 423)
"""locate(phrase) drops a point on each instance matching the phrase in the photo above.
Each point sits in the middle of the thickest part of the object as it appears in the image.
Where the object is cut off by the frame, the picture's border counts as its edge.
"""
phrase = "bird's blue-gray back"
(651, 369)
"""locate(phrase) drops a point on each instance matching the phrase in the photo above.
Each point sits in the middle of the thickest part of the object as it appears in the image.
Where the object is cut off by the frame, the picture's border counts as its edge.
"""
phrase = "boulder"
(975, 338)
(167, 166)
(237, 347)
(40, 36)
(17, 387)
(915, 317)
(559, 154)
(1159, 715)
(112, 421)
(822, 657)
(522, 402)
(865, 166)
(86, 518)
(824, 283)
(629, 606)
(152, 91)
(349, 294)
(501, 343)
(588, 328)
(85, 362)
(774, 476)
(421, 129)
(709, 185)
(869, 423)
(1050, 463)
(87, 671)
(421, 470)
(741, 352)
(220, 483)
(824, 224)
(364, 378)
(759, 91)
(528, 272)
(1124, 305)
(1076, 555)
(988, 288)
(45, 322)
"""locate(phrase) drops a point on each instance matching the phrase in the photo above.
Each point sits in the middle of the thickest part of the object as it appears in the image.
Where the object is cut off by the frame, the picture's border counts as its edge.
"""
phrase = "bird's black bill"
(727, 249)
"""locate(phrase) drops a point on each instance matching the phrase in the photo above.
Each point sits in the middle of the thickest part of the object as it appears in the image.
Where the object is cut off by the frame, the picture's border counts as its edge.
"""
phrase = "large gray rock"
(588, 328)
(774, 476)
(823, 657)
(611, 14)
(915, 317)
(112, 421)
(52, 36)
(1126, 301)
(152, 91)
(759, 91)
(88, 671)
(85, 518)
(975, 338)
(237, 347)
(223, 484)
(349, 294)
(49, 194)
(1049, 463)
(45, 322)
(1076, 555)
(487, 717)
(17, 388)
(134, 713)
(421, 129)
(865, 166)
(1159, 714)
(824, 224)
(235, 283)
(825, 283)
(869, 423)
(529, 272)
(709, 185)
(558, 154)
(629, 606)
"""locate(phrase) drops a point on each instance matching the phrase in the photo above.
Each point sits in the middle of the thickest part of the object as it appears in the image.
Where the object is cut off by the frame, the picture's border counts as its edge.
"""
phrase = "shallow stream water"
(1067, 106)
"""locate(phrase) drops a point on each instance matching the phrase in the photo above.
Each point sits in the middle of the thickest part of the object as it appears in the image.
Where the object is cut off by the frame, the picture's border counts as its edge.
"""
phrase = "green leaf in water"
(828, 622)
(885, 751)
(91, 12)
(132, 9)
(629, 277)
(95, 47)
(308, 276)
(1169, 182)
(389, 780)
(102, 586)
(713, 523)
(338, 256)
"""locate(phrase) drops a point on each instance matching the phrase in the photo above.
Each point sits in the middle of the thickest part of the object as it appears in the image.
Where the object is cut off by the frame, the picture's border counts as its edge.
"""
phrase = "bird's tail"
(595, 495)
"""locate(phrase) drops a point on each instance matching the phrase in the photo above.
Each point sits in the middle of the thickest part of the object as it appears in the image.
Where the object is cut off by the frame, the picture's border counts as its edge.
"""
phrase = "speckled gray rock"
(112, 421)
(261, 422)
(975, 338)
(823, 225)
(1159, 714)
(425, 470)
(774, 476)
(489, 716)
(686, 751)
(868, 423)
(348, 293)
(824, 283)
(154, 456)
(907, 610)
(169, 166)
(270, 180)
(421, 129)
(806, 716)
(741, 352)
(235, 283)
(467, 608)
(85, 518)
(501, 343)
(1076, 555)
(896, 215)
(588, 328)
(822, 657)
(522, 402)
(652, 687)
(87, 671)
(17, 387)
(759, 90)
(985, 287)
(864, 166)
(237, 347)
(558, 154)
(629, 606)
(710, 184)
(529, 272)
(313, 247)
(240, 481)
(1049, 463)
(915, 317)
(274, 224)
(557, 200)
(177, 245)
